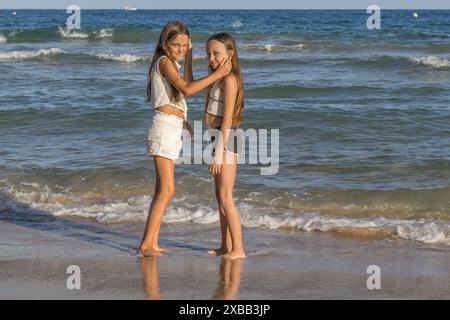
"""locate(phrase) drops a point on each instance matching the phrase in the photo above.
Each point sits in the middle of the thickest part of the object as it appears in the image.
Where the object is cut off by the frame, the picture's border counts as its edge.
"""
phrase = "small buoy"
(415, 15)
(14, 13)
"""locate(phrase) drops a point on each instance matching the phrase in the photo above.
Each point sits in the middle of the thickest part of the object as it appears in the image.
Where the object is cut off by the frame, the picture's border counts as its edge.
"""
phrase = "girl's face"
(178, 46)
(216, 53)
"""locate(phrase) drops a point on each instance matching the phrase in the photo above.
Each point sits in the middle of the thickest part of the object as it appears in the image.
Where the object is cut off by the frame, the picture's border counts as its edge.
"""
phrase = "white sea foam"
(71, 34)
(272, 47)
(433, 61)
(135, 209)
(31, 184)
(127, 58)
(104, 33)
(428, 232)
(418, 230)
(24, 54)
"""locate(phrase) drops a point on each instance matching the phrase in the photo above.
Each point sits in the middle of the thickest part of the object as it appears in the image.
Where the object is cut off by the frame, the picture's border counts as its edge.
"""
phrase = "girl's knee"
(225, 199)
(222, 210)
(167, 192)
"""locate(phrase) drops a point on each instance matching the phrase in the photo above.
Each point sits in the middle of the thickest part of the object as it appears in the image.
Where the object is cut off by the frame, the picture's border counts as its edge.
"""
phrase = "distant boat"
(130, 9)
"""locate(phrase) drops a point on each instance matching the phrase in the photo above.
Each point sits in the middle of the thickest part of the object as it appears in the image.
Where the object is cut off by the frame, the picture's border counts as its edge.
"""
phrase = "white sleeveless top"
(162, 91)
(215, 101)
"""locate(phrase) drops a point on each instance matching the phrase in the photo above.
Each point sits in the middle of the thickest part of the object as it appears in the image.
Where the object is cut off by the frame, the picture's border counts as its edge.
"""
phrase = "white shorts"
(164, 136)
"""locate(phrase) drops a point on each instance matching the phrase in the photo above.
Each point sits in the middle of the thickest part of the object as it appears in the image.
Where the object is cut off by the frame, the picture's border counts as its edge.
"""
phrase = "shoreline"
(288, 265)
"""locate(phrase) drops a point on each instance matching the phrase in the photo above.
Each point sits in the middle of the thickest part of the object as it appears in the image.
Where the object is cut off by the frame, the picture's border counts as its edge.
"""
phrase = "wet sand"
(34, 258)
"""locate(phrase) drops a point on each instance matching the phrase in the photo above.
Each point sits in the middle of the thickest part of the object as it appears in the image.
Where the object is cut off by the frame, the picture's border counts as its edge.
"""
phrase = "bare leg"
(227, 178)
(225, 246)
(156, 236)
(155, 196)
(164, 191)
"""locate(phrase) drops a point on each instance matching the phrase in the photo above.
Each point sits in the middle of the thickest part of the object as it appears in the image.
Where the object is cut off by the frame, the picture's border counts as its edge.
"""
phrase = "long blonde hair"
(169, 32)
(230, 44)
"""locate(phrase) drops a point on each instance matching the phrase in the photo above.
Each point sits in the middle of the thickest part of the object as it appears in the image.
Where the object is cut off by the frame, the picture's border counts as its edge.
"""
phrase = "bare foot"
(156, 248)
(151, 252)
(235, 255)
(162, 250)
(218, 252)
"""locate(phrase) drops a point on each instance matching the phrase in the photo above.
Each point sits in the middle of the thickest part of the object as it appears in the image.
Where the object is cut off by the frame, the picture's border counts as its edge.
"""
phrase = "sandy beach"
(34, 257)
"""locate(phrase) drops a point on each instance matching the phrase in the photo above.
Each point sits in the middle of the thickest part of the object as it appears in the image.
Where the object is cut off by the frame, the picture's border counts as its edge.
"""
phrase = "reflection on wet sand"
(229, 282)
(230, 279)
(149, 267)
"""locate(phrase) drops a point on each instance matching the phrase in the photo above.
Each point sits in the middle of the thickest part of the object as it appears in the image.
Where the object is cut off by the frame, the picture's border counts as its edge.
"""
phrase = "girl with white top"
(166, 90)
(223, 111)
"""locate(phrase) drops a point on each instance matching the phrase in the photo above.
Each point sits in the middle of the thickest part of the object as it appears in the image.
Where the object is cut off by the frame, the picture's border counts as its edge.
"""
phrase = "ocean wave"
(293, 41)
(426, 231)
(127, 58)
(104, 33)
(3, 39)
(115, 35)
(433, 61)
(425, 36)
(117, 185)
(272, 47)
(293, 91)
(94, 205)
(273, 90)
(57, 53)
(389, 62)
(71, 34)
(355, 203)
(23, 54)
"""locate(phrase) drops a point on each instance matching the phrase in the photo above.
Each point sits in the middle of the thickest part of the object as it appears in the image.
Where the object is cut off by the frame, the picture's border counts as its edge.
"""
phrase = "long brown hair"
(169, 32)
(230, 44)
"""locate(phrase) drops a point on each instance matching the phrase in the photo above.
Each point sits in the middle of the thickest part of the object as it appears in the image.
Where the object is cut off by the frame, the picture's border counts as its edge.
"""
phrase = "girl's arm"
(188, 89)
(230, 93)
(188, 77)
